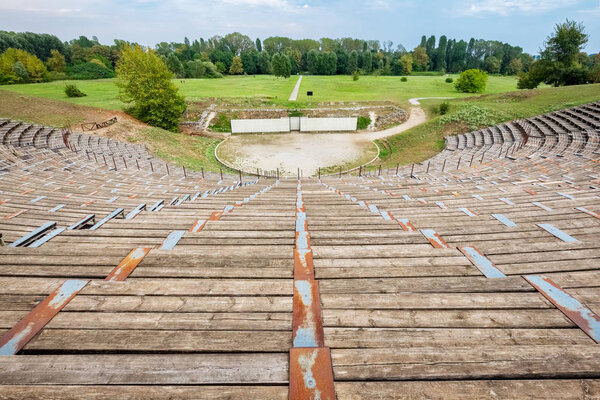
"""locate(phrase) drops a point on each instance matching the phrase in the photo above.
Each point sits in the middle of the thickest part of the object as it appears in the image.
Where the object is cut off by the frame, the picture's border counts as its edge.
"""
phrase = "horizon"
(137, 20)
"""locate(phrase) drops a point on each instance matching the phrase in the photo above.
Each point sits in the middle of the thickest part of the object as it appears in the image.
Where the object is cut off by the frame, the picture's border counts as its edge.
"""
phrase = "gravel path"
(294, 94)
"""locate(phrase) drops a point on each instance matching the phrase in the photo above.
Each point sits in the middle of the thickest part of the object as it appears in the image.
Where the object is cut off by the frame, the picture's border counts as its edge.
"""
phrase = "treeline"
(37, 57)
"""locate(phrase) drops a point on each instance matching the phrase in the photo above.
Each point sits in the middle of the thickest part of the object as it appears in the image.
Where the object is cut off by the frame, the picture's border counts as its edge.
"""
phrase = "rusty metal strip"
(197, 226)
(15, 339)
(551, 229)
(581, 316)
(441, 205)
(172, 240)
(588, 212)
(15, 214)
(507, 201)
(435, 239)
(303, 264)
(482, 263)
(215, 216)
(33, 235)
(311, 374)
(128, 264)
(406, 225)
(307, 327)
(468, 211)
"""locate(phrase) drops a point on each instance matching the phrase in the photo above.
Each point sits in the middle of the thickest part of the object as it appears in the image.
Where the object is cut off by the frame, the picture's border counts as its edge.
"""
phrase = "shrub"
(145, 84)
(71, 90)
(404, 79)
(472, 81)
(222, 124)
(444, 107)
(91, 70)
(449, 80)
(355, 75)
(363, 123)
(295, 113)
(474, 116)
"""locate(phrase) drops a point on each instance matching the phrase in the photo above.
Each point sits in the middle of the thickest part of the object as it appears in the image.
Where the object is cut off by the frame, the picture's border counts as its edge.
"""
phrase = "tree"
(430, 49)
(57, 61)
(258, 45)
(312, 62)
(492, 65)
(472, 81)
(420, 59)
(515, 66)
(250, 62)
(406, 64)
(353, 61)
(440, 56)
(145, 85)
(236, 66)
(175, 65)
(238, 43)
(565, 43)
(264, 63)
(367, 62)
(281, 65)
(18, 66)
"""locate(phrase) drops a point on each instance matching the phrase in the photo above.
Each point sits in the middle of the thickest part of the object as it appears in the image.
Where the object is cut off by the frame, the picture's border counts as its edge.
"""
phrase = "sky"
(524, 23)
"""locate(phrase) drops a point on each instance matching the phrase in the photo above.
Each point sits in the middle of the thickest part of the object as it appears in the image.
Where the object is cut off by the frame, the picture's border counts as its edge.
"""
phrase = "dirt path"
(294, 94)
(288, 152)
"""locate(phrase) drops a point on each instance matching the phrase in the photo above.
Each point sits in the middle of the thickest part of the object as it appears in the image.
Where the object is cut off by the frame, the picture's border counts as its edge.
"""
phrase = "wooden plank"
(564, 389)
(54, 392)
(147, 369)
(505, 362)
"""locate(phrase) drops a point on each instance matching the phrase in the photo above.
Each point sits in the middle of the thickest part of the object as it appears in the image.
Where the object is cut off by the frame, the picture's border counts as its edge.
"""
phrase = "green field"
(103, 93)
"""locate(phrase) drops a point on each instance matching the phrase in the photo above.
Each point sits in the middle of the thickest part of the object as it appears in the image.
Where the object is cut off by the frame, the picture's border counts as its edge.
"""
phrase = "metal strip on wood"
(128, 264)
(46, 238)
(215, 216)
(156, 205)
(197, 226)
(568, 196)
(88, 219)
(542, 206)
(406, 225)
(468, 211)
(311, 374)
(33, 235)
(581, 316)
(303, 264)
(58, 207)
(504, 220)
(435, 239)
(15, 339)
(114, 214)
(588, 212)
(507, 201)
(307, 329)
(172, 240)
(15, 214)
(136, 211)
(482, 263)
(551, 229)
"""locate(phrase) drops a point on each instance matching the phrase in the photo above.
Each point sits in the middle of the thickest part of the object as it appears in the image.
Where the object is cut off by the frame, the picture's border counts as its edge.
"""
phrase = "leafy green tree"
(264, 63)
(420, 59)
(367, 62)
(281, 65)
(492, 65)
(145, 85)
(236, 66)
(440, 55)
(353, 61)
(250, 62)
(312, 62)
(175, 65)
(94, 69)
(258, 45)
(57, 62)
(18, 66)
(406, 64)
(472, 81)
(515, 66)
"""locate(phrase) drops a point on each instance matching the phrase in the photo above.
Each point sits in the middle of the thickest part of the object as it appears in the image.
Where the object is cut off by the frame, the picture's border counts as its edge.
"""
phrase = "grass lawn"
(103, 92)
(380, 88)
(426, 140)
(270, 90)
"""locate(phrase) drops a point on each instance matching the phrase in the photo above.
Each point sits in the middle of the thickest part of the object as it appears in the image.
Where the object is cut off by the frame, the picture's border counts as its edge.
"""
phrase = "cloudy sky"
(519, 22)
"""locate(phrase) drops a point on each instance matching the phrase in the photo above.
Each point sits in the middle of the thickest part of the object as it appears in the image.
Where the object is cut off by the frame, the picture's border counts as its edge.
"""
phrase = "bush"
(363, 123)
(19, 66)
(222, 124)
(295, 113)
(444, 107)
(449, 80)
(91, 70)
(472, 81)
(404, 79)
(72, 90)
(474, 116)
(355, 75)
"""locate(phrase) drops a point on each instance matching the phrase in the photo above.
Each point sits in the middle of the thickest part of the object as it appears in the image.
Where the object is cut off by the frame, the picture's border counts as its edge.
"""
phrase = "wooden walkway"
(480, 281)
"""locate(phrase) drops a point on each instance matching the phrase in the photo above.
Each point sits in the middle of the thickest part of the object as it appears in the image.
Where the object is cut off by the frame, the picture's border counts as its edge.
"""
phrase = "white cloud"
(506, 7)
(260, 3)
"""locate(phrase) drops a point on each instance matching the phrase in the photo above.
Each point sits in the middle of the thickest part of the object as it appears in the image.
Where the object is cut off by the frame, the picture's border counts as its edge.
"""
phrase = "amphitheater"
(473, 275)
